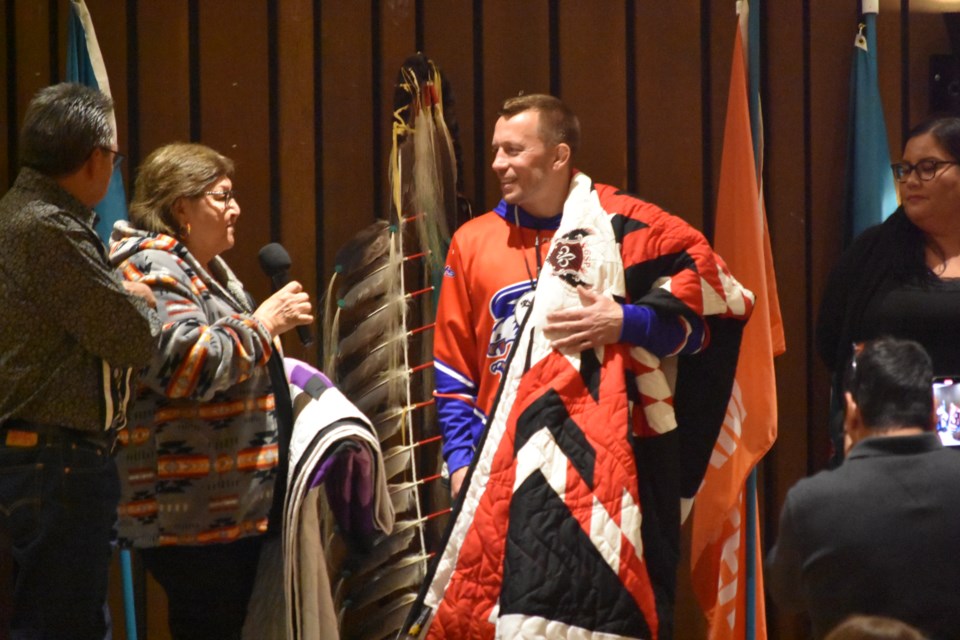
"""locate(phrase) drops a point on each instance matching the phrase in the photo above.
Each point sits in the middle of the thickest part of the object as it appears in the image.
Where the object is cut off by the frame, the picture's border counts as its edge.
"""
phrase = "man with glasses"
(878, 535)
(72, 333)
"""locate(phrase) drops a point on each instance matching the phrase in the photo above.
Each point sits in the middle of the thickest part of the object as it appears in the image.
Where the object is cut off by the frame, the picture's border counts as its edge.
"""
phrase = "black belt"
(20, 433)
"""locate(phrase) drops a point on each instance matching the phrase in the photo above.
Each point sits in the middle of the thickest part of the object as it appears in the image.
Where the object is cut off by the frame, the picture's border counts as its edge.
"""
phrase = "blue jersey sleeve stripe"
(449, 380)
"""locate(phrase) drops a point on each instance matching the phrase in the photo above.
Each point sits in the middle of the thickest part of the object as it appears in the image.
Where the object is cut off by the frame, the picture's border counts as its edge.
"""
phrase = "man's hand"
(141, 291)
(456, 481)
(597, 323)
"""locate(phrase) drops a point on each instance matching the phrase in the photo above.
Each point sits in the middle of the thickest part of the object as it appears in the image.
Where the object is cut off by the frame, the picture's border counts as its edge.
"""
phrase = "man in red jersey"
(576, 398)
(492, 268)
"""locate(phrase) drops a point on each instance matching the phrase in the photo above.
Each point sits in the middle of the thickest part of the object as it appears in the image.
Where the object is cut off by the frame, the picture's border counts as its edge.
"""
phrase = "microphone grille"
(274, 259)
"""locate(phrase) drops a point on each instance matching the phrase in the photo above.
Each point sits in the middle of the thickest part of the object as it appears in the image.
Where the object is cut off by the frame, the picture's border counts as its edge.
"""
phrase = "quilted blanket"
(569, 522)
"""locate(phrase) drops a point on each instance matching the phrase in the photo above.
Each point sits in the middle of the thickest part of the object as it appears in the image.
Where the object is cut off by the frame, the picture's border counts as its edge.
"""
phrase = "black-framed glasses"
(117, 156)
(926, 169)
(224, 196)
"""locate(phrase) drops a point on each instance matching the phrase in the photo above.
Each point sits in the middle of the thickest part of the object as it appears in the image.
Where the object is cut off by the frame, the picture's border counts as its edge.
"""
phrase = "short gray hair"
(64, 123)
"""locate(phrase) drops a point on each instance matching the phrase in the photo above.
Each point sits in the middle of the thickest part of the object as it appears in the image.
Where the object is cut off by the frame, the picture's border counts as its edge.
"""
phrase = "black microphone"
(275, 262)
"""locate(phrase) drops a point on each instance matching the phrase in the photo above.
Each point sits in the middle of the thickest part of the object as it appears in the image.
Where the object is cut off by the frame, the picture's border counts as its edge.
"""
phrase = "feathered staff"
(378, 321)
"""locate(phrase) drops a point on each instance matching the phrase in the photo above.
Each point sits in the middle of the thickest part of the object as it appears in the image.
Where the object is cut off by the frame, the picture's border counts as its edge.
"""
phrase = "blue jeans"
(58, 502)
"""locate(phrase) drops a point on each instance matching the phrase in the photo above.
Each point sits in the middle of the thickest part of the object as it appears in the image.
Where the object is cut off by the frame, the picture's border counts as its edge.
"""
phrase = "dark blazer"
(879, 535)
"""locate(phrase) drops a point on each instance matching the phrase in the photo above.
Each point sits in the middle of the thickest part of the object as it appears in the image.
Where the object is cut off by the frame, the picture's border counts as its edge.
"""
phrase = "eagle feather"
(378, 318)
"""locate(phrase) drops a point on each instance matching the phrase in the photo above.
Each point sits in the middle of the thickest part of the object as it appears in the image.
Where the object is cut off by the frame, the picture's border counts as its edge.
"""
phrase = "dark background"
(299, 94)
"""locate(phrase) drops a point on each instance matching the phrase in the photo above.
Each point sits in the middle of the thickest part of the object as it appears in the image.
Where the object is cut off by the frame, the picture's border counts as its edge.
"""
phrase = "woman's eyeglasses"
(926, 169)
(224, 196)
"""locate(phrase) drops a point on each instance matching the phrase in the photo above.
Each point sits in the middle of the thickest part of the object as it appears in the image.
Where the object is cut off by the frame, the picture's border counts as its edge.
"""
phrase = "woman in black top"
(901, 278)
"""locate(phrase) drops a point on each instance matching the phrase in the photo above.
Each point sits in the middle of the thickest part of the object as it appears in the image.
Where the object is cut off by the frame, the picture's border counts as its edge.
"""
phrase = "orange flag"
(718, 549)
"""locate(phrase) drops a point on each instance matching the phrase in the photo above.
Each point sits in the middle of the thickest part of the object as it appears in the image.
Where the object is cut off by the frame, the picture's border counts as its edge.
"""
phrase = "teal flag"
(85, 66)
(870, 193)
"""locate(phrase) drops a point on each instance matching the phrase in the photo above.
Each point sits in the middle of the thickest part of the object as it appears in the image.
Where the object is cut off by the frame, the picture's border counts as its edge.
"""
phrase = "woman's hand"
(287, 308)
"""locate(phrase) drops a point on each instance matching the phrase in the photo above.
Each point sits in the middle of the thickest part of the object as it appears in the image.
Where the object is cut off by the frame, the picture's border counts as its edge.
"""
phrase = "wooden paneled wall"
(299, 94)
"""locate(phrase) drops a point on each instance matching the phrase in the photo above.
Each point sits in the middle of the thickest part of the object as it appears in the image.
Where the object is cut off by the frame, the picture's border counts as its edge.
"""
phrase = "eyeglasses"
(224, 196)
(117, 156)
(926, 169)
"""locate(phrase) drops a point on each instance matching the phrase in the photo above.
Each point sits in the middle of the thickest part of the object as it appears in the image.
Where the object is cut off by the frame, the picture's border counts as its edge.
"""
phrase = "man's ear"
(851, 410)
(852, 422)
(562, 156)
(89, 167)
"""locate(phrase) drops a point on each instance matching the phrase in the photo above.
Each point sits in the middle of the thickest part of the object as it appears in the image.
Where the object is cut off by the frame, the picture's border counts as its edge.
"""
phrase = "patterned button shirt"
(70, 334)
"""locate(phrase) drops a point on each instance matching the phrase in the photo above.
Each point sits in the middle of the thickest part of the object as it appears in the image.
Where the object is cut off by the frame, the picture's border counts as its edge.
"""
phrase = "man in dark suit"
(878, 534)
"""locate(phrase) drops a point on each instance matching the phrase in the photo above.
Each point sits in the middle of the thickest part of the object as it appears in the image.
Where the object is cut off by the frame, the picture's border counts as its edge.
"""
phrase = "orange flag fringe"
(718, 546)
